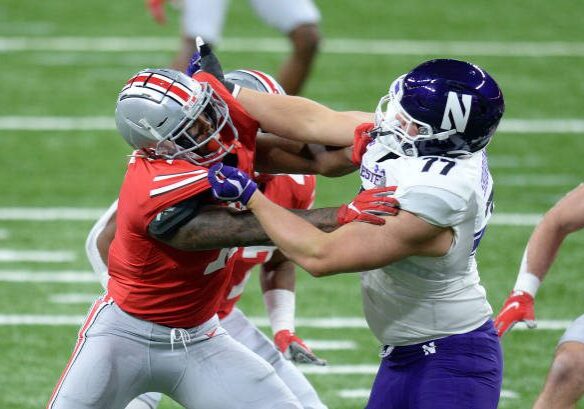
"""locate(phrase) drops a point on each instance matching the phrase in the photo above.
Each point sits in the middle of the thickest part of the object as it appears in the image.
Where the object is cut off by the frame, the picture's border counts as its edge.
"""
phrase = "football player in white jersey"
(422, 295)
(297, 19)
(565, 381)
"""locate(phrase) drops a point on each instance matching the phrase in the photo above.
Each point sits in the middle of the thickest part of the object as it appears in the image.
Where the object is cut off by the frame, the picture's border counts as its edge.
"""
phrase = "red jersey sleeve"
(246, 125)
(292, 191)
(151, 186)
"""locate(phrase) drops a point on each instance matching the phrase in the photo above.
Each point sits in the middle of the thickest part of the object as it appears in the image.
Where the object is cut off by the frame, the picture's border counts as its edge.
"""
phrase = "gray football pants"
(575, 332)
(245, 332)
(118, 357)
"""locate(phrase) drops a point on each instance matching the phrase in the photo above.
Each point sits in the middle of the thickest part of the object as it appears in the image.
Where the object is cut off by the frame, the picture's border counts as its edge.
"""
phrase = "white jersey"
(418, 299)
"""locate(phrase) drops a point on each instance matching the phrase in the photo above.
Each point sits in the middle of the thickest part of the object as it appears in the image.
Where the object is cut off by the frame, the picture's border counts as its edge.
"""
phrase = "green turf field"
(536, 54)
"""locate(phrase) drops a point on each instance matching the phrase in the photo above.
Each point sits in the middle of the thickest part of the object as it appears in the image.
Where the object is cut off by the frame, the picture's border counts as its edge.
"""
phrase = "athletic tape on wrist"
(526, 281)
(281, 305)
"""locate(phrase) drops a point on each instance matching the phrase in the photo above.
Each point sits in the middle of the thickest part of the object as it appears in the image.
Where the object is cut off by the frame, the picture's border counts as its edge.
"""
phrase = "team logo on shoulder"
(453, 112)
(375, 175)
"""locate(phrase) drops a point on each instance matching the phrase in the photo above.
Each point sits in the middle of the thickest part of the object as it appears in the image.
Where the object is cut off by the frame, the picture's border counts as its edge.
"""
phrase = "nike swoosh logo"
(211, 334)
(514, 304)
(352, 207)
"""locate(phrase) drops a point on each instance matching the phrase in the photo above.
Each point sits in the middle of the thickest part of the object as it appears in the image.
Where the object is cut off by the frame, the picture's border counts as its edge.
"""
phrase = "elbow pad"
(167, 222)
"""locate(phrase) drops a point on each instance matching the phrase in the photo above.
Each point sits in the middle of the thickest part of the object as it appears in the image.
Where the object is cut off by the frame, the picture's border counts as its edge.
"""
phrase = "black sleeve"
(167, 222)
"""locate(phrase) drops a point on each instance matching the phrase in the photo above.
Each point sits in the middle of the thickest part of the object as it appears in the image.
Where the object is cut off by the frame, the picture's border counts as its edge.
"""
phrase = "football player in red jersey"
(277, 279)
(156, 328)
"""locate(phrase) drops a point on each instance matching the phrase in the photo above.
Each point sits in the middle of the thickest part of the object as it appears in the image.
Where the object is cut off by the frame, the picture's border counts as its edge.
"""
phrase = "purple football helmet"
(440, 108)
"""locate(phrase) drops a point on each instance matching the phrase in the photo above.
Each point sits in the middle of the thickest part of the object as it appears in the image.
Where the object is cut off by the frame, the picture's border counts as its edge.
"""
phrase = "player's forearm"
(542, 249)
(300, 119)
(280, 155)
(219, 228)
(332, 163)
(300, 241)
(278, 274)
(566, 217)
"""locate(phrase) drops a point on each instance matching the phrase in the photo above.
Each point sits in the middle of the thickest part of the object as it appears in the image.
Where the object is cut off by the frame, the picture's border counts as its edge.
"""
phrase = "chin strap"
(445, 135)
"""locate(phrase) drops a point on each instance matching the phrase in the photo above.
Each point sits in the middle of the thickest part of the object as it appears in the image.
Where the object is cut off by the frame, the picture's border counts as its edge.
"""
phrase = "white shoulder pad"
(457, 176)
(437, 206)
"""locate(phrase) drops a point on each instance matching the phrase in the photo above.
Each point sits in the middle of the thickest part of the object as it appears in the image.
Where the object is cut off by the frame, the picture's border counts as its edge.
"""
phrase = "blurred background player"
(298, 19)
(565, 382)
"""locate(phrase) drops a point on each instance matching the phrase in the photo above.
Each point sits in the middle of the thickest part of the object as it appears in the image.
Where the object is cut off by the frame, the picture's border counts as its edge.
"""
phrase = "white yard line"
(514, 162)
(339, 322)
(279, 45)
(331, 345)
(335, 322)
(541, 126)
(515, 219)
(356, 322)
(354, 393)
(36, 256)
(364, 394)
(339, 369)
(50, 213)
(106, 123)
(52, 123)
(73, 298)
(538, 180)
(81, 214)
(50, 320)
(47, 277)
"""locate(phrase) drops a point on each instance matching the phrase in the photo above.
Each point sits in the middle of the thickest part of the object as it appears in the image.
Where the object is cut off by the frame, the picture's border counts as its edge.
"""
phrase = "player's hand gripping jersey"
(423, 298)
(290, 191)
(150, 279)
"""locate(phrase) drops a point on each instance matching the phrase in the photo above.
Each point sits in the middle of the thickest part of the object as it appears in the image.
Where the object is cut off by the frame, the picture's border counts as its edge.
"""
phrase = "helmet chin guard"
(440, 108)
(157, 108)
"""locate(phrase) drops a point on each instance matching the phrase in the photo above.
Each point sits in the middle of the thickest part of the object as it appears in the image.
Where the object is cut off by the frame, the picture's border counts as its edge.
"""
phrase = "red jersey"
(150, 279)
(290, 191)
(246, 126)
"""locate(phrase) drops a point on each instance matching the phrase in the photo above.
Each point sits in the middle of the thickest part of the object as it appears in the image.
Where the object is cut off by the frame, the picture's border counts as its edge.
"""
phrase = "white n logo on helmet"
(453, 107)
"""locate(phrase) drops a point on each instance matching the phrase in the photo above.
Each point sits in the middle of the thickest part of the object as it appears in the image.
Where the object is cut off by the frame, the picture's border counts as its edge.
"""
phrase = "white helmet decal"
(453, 107)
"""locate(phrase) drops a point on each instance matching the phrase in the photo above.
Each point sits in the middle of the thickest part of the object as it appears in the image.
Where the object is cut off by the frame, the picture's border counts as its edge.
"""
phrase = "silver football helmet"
(256, 80)
(171, 115)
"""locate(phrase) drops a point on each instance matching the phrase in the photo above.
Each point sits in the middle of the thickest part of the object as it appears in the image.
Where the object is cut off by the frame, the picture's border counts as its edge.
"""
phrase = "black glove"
(210, 63)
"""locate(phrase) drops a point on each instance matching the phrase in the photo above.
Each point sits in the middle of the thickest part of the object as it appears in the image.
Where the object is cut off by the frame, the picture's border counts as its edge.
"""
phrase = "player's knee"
(568, 364)
(306, 39)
